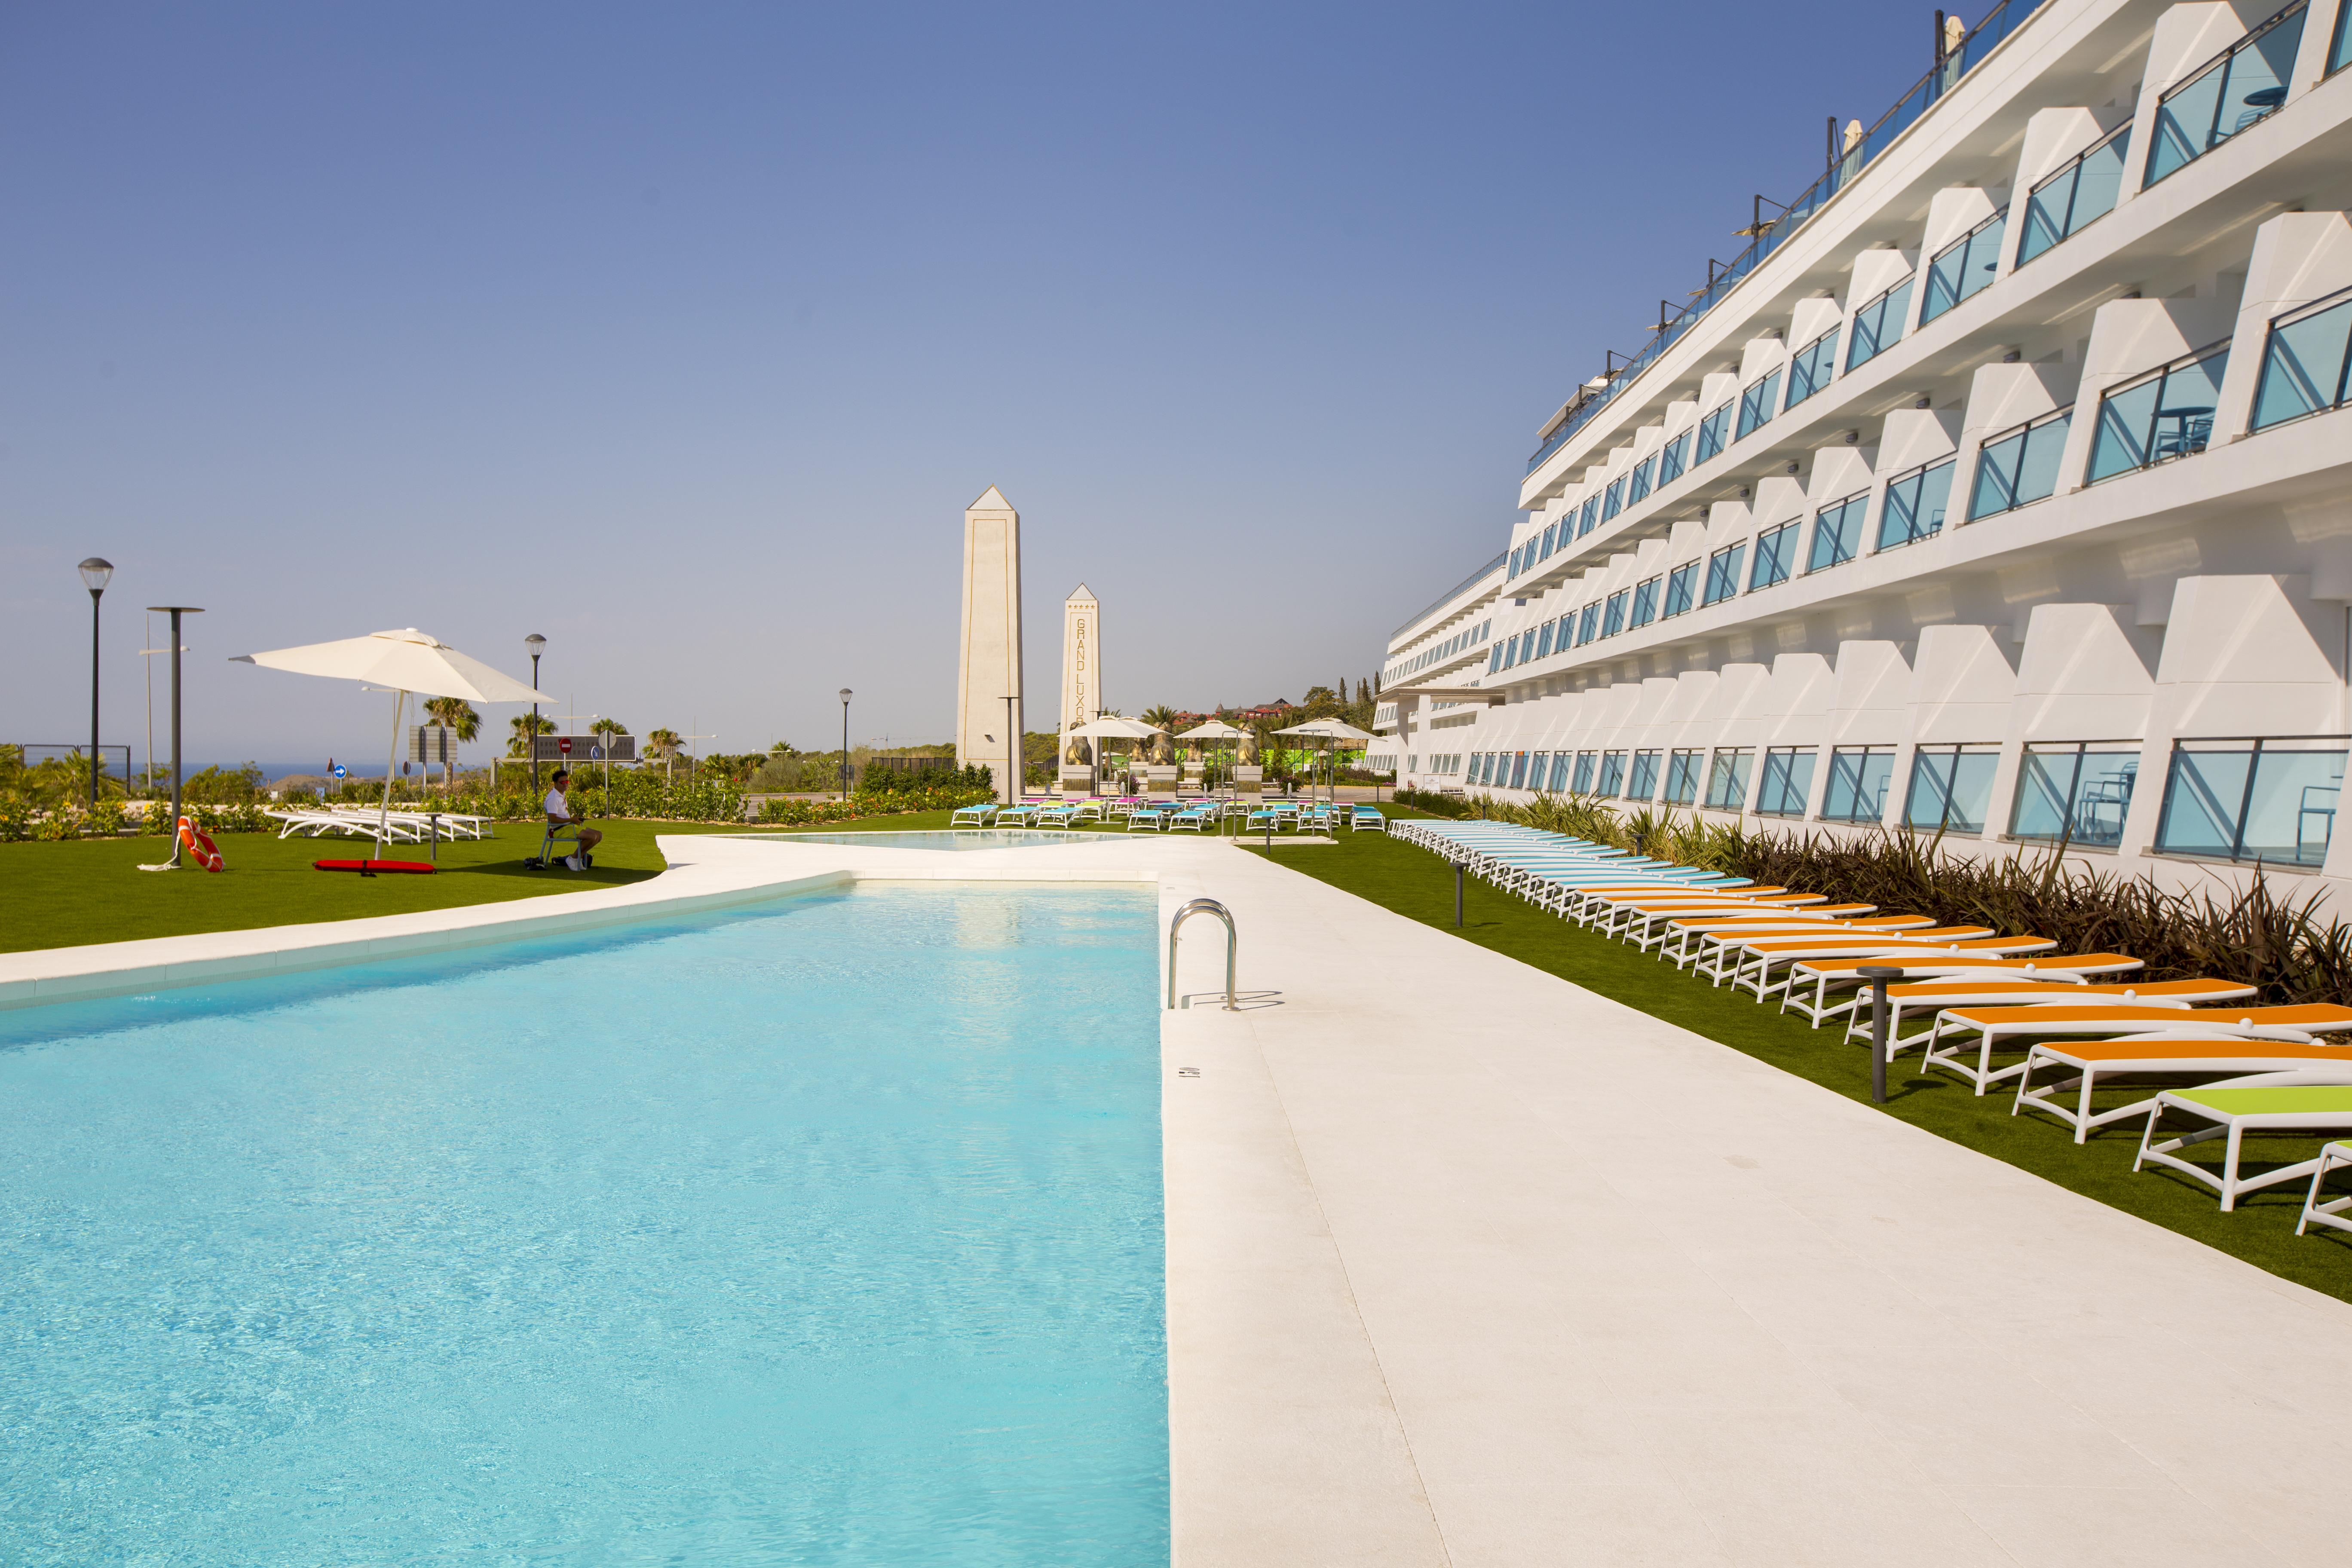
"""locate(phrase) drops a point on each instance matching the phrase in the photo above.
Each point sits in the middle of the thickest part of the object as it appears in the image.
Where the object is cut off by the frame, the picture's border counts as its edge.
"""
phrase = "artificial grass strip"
(1419, 885)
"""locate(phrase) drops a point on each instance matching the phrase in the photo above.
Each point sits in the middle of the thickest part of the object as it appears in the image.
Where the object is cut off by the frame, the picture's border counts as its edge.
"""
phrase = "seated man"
(560, 814)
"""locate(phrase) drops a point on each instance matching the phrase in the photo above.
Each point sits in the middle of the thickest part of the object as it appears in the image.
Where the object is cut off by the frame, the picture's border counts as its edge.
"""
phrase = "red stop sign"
(563, 745)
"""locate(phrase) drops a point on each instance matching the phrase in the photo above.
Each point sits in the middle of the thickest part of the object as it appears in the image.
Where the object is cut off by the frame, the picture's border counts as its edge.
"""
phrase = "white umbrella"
(1116, 729)
(404, 661)
(1333, 731)
(1215, 729)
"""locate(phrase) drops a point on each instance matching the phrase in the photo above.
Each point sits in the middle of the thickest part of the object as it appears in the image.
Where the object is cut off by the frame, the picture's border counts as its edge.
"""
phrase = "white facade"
(2004, 487)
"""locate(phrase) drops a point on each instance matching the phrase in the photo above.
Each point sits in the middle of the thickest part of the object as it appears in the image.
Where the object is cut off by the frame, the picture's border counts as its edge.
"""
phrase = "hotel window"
(1612, 614)
(1837, 533)
(1671, 460)
(2339, 47)
(1723, 573)
(1759, 403)
(1811, 367)
(1964, 267)
(2263, 800)
(1612, 499)
(2020, 465)
(1858, 779)
(2166, 414)
(1645, 603)
(1776, 557)
(1727, 778)
(1545, 554)
(1711, 432)
(1584, 769)
(1788, 781)
(1878, 325)
(1513, 569)
(1518, 769)
(1950, 788)
(1612, 773)
(2307, 359)
(1590, 518)
(2243, 87)
(2075, 196)
(1642, 782)
(1543, 641)
(1561, 762)
(1588, 622)
(1682, 583)
(1682, 777)
(1495, 661)
(1638, 486)
(2075, 793)
(1914, 508)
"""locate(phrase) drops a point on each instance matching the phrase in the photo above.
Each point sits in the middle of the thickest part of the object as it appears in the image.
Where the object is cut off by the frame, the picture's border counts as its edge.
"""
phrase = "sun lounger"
(1056, 815)
(2333, 1157)
(973, 816)
(1197, 818)
(2094, 1062)
(1932, 996)
(1148, 819)
(2280, 1106)
(1823, 973)
(1366, 816)
(1994, 1025)
(1735, 957)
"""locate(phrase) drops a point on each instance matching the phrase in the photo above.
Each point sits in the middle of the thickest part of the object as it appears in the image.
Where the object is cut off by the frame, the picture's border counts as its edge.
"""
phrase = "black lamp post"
(175, 611)
(534, 645)
(845, 742)
(96, 573)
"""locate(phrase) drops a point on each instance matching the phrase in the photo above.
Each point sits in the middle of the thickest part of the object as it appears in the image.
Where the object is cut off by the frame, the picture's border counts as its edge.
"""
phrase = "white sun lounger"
(2280, 1105)
(1994, 1025)
(2229, 1061)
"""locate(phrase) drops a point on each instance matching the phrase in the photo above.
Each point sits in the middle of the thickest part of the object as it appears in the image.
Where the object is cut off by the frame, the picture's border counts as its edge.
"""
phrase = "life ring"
(199, 845)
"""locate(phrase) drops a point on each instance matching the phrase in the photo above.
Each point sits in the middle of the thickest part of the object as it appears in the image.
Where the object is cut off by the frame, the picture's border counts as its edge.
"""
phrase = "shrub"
(1434, 803)
(16, 818)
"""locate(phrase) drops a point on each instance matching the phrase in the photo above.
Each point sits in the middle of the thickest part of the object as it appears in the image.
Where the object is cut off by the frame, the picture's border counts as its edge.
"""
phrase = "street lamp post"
(172, 828)
(96, 573)
(534, 645)
(1011, 753)
(845, 742)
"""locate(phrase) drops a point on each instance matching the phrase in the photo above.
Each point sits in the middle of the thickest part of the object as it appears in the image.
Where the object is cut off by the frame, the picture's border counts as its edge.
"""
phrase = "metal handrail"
(1440, 602)
(1233, 945)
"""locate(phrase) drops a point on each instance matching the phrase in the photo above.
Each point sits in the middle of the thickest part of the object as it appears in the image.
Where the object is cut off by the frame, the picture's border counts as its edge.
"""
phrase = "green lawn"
(85, 891)
(1419, 885)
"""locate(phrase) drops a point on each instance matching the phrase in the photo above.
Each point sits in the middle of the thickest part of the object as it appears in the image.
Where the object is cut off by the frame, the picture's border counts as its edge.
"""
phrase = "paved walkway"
(1469, 1266)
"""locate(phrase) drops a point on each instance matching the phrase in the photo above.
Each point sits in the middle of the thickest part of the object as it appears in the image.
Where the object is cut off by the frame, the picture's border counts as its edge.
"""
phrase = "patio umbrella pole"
(383, 815)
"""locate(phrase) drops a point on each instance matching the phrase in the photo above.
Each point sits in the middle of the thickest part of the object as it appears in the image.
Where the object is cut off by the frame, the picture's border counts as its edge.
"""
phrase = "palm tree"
(664, 744)
(1159, 716)
(605, 729)
(458, 716)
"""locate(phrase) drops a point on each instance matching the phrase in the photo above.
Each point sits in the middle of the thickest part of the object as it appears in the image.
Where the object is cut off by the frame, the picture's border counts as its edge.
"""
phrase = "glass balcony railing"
(1776, 557)
(1681, 587)
(2166, 414)
(1878, 325)
(2238, 90)
(1860, 777)
(1914, 508)
(1788, 781)
(2268, 800)
(1726, 780)
(1723, 573)
(1671, 460)
(2339, 47)
(2020, 465)
(1682, 777)
(1713, 431)
(1637, 488)
(1998, 24)
(2075, 196)
(2307, 361)
(1952, 786)
(2075, 793)
(1758, 403)
(1837, 533)
(1965, 267)
(1811, 367)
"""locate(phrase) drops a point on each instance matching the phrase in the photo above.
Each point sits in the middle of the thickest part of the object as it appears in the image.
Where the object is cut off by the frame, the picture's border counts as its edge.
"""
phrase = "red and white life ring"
(201, 846)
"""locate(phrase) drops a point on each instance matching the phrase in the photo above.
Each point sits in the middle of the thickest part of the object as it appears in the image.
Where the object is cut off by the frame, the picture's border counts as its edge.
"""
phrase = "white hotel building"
(2002, 486)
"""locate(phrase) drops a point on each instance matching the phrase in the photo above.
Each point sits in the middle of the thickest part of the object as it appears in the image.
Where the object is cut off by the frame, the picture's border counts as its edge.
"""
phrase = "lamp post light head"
(96, 573)
(532, 644)
(844, 694)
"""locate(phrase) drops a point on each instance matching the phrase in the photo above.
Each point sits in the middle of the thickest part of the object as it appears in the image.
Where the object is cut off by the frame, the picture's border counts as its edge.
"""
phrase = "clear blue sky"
(683, 334)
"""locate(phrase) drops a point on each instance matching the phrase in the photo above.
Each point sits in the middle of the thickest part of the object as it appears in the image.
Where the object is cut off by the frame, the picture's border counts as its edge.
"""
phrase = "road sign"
(563, 745)
(341, 771)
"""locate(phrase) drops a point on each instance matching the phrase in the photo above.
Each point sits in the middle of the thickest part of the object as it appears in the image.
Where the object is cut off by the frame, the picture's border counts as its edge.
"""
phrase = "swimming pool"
(828, 1233)
(948, 838)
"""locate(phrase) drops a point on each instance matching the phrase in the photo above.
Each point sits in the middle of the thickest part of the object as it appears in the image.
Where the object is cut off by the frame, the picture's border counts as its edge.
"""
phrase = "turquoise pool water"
(946, 839)
(827, 1234)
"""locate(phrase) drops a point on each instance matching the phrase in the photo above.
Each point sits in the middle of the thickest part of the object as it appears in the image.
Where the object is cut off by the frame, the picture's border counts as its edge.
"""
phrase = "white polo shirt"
(556, 805)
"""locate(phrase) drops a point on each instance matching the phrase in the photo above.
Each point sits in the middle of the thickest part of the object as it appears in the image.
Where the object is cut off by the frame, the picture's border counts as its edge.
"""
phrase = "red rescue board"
(369, 868)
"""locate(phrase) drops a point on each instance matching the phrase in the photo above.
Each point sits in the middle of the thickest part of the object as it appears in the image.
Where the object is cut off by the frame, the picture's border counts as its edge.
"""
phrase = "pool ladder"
(1203, 907)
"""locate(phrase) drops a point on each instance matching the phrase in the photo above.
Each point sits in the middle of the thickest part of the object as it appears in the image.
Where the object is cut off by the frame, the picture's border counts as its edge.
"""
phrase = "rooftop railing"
(1770, 235)
(1459, 588)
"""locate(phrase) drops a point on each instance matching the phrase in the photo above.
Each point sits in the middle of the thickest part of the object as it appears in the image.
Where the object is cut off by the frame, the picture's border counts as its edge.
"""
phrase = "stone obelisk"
(1081, 666)
(988, 727)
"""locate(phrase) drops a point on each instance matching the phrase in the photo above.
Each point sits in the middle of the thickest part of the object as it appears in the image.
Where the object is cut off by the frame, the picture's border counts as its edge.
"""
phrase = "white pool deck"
(1468, 1266)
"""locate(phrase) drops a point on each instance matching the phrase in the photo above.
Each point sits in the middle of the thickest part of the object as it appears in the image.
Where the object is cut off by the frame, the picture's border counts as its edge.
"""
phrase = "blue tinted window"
(1776, 556)
(2305, 360)
(1642, 782)
(1787, 783)
(1682, 585)
(1612, 614)
(1670, 461)
(1950, 788)
(1588, 622)
(1837, 533)
(1543, 639)
(1759, 403)
(1963, 268)
(1682, 778)
(1584, 767)
(1639, 486)
(1723, 573)
(2241, 89)
(1878, 325)
(2262, 800)
(1547, 541)
(1612, 773)
(1915, 506)
(1726, 780)
(1589, 519)
(1612, 499)
(2076, 196)
(1858, 781)
(2078, 794)
(1811, 367)
(1645, 603)
(1711, 432)
(2168, 415)
(2019, 466)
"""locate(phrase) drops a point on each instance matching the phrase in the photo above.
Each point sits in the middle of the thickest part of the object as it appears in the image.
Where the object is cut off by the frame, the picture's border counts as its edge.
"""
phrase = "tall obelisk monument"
(988, 728)
(1081, 665)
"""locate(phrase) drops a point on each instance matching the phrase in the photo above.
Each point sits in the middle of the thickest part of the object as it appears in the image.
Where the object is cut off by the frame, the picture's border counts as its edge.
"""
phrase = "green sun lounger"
(2283, 1106)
